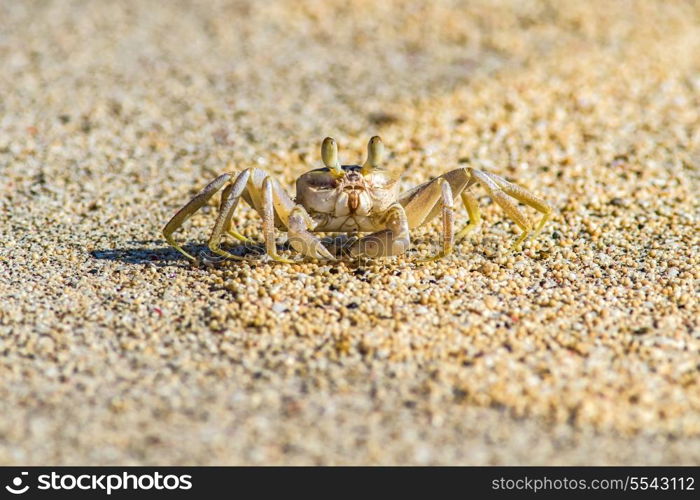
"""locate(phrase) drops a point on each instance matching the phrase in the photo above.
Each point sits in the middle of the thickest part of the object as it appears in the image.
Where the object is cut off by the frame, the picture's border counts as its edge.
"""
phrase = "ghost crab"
(354, 199)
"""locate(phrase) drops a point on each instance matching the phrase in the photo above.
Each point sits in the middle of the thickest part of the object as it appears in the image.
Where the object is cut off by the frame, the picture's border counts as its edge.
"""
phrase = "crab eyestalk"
(329, 154)
(375, 154)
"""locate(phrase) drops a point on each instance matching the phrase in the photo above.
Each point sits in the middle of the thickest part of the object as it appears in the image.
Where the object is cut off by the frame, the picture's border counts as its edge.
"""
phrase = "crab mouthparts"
(353, 201)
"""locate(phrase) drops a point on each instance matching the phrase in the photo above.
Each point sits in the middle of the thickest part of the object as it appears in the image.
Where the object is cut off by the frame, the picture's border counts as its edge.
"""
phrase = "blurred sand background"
(582, 349)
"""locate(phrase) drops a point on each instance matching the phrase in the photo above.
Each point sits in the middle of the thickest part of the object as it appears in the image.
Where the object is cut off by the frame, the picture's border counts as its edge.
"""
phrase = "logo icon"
(17, 482)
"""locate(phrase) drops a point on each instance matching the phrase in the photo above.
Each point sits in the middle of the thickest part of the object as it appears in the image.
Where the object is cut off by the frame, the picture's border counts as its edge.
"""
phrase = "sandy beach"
(583, 348)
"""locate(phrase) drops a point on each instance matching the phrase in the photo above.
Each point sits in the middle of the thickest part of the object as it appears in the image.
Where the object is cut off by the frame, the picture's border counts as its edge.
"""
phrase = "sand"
(584, 348)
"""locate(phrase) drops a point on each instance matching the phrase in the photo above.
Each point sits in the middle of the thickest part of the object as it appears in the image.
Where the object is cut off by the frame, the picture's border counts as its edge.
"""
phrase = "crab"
(355, 199)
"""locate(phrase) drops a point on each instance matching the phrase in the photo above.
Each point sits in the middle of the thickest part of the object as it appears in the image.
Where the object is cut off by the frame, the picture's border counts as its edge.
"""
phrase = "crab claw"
(329, 154)
(375, 154)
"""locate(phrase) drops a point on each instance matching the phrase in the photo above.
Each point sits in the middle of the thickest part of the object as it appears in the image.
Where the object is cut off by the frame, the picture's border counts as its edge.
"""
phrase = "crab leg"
(265, 196)
(525, 197)
(448, 226)
(229, 201)
(472, 207)
(421, 202)
(300, 237)
(229, 225)
(505, 202)
(272, 192)
(424, 203)
(394, 240)
(448, 231)
(199, 200)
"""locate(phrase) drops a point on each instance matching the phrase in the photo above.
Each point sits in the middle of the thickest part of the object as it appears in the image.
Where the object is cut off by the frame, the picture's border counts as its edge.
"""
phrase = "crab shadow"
(143, 253)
